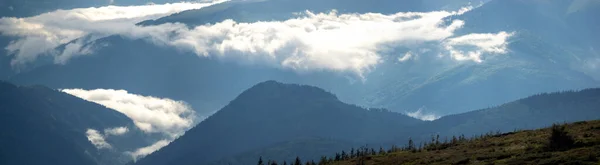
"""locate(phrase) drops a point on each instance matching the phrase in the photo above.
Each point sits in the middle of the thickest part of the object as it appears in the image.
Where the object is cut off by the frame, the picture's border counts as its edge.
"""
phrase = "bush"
(560, 139)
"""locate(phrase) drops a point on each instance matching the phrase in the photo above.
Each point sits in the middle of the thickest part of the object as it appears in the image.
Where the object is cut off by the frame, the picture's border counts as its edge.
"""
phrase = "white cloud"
(341, 42)
(475, 45)
(97, 139)
(310, 41)
(116, 131)
(422, 115)
(141, 152)
(150, 114)
(42, 33)
(408, 56)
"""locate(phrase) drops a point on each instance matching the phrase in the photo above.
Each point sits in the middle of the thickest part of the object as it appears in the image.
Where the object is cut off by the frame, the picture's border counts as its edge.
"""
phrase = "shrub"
(559, 139)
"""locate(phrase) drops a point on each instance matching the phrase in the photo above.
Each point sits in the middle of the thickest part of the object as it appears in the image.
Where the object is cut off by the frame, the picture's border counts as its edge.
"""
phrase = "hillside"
(533, 112)
(36, 122)
(271, 113)
(528, 113)
(580, 145)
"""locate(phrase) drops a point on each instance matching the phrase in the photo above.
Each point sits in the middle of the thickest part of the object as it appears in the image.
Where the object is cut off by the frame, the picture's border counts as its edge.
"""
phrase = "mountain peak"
(271, 91)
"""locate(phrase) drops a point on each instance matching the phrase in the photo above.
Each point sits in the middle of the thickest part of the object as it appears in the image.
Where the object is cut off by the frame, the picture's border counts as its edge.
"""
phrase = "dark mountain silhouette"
(274, 120)
(271, 113)
(44, 126)
(309, 148)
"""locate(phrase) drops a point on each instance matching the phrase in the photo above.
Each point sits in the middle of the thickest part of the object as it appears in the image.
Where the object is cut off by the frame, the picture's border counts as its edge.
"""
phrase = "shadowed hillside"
(44, 126)
(577, 143)
(271, 113)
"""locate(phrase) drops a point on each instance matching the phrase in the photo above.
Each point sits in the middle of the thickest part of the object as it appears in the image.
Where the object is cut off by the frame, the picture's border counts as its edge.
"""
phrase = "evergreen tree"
(298, 161)
(323, 160)
(411, 144)
(260, 161)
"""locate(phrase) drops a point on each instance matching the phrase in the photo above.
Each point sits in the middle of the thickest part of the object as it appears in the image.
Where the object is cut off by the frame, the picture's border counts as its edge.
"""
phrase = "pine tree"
(323, 160)
(298, 162)
(411, 144)
(260, 161)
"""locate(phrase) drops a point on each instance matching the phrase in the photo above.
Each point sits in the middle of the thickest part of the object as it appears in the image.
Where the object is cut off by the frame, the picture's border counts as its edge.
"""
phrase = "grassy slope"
(521, 147)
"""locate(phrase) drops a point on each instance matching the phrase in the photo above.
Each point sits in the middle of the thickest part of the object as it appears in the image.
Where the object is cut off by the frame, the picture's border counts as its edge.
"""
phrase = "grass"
(518, 148)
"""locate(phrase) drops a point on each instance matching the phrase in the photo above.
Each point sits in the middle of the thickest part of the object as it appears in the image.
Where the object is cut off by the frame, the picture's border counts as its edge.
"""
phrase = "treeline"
(559, 139)
(364, 153)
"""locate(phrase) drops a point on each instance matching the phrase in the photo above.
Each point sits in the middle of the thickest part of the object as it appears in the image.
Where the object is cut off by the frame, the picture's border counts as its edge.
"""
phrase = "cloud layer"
(311, 41)
(150, 114)
(473, 46)
(42, 33)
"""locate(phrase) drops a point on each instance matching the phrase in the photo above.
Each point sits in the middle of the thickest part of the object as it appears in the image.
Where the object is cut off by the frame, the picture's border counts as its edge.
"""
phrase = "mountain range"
(271, 118)
(435, 85)
(279, 79)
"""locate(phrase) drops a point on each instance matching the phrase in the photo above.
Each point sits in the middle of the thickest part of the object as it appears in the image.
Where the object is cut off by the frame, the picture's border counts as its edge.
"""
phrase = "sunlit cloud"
(42, 33)
(350, 42)
(149, 114)
(473, 46)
